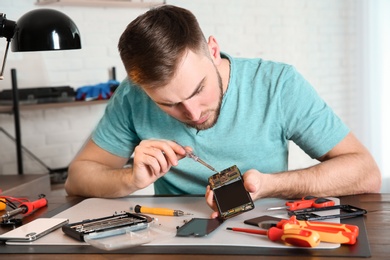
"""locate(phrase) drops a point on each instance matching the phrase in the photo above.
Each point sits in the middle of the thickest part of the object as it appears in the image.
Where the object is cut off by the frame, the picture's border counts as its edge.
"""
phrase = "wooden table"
(377, 223)
(26, 185)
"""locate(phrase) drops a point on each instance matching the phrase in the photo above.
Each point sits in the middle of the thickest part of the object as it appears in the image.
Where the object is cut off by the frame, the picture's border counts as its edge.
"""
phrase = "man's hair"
(153, 44)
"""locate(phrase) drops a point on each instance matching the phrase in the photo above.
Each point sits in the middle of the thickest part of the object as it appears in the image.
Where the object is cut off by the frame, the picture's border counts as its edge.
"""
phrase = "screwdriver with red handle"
(306, 202)
(295, 237)
(24, 208)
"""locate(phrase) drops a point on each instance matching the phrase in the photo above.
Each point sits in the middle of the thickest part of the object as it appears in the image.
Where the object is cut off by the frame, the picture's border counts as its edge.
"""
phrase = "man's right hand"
(153, 159)
(97, 173)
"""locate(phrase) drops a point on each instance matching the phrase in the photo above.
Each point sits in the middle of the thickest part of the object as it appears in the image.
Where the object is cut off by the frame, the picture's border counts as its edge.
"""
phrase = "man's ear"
(214, 50)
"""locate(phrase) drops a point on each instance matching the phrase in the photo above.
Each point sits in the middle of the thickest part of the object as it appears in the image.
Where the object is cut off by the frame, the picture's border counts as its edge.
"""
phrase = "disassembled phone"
(117, 224)
(229, 193)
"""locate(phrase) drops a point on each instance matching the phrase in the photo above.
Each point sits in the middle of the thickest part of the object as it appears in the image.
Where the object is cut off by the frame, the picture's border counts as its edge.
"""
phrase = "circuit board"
(229, 192)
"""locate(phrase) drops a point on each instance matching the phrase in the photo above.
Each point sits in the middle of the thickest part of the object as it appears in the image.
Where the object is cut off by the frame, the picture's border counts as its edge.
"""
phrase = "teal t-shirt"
(266, 105)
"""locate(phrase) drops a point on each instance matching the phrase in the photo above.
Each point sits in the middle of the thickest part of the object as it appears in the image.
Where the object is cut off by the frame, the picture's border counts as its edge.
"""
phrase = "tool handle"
(319, 225)
(299, 204)
(329, 226)
(155, 211)
(308, 202)
(296, 237)
(327, 233)
(31, 206)
(322, 202)
(3, 204)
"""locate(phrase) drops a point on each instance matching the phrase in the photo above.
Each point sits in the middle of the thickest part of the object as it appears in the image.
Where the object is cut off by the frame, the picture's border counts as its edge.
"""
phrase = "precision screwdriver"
(197, 159)
(296, 237)
(159, 211)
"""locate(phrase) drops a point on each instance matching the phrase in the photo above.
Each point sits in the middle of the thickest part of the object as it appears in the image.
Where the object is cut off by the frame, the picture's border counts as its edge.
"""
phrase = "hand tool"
(24, 208)
(306, 202)
(197, 159)
(328, 231)
(3, 204)
(159, 211)
(295, 237)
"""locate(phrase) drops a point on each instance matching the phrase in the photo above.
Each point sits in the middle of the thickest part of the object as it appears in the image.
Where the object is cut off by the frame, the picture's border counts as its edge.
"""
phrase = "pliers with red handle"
(306, 202)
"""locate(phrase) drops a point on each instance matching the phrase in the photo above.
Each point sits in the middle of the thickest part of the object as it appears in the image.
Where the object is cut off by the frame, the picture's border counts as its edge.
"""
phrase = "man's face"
(194, 95)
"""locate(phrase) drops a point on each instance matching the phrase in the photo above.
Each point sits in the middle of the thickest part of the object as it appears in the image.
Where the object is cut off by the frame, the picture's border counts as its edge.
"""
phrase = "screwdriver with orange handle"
(328, 231)
(24, 208)
(306, 202)
(295, 237)
(159, 211)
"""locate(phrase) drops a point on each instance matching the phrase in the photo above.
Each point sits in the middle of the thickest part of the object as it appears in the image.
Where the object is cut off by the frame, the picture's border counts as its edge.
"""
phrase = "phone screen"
(229, 192)
(231, 196)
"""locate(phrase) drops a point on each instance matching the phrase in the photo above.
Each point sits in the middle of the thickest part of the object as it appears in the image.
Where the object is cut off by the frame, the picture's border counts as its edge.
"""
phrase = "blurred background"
(340, 46)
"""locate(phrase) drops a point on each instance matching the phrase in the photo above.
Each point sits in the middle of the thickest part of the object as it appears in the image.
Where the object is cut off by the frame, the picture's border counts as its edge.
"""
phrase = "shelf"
(8, 109)
(112, 3)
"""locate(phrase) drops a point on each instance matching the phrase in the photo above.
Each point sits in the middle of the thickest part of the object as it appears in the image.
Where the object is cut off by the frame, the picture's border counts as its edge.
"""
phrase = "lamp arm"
(4, 60)
(7, 30)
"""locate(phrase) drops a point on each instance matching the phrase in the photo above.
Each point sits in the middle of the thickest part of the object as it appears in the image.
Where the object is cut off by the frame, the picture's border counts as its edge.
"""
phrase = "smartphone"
(33, 230)
(229, 193)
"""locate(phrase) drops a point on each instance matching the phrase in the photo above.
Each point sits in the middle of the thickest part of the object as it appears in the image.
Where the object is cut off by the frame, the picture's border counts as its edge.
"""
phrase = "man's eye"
(168, 105)
(199, 89)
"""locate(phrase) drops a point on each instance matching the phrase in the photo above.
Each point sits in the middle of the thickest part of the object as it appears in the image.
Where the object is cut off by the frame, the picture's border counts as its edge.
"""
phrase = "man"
(181, 90)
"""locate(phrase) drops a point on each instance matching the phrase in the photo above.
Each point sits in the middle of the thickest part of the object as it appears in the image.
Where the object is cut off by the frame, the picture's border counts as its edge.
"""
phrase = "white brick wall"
(318, 37)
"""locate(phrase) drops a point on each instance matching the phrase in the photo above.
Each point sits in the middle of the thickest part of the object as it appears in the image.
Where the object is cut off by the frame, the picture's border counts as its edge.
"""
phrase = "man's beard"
(214, 113)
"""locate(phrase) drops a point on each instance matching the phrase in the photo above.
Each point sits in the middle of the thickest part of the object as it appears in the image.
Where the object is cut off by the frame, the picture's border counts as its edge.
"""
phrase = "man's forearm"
(343, 175)
(90, 179)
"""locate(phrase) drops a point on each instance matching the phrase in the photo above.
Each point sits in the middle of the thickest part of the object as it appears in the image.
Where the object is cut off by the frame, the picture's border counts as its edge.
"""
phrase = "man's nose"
(191, 110)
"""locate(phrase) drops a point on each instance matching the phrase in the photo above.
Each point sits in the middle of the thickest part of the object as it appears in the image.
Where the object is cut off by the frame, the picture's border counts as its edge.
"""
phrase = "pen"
(159, 211)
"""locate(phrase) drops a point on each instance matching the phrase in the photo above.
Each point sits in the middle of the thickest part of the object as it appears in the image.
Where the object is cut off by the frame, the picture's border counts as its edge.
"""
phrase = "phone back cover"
(34, 229)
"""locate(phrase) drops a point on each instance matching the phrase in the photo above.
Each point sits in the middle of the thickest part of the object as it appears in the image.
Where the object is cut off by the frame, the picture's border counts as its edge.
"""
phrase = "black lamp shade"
(45, 30)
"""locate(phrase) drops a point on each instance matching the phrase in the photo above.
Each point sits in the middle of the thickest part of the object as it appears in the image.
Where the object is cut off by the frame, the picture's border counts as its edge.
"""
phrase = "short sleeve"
(309, 121)
(115, 131)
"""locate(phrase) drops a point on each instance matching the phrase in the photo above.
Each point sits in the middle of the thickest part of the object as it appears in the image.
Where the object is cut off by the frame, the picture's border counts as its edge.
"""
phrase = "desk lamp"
(37, 30)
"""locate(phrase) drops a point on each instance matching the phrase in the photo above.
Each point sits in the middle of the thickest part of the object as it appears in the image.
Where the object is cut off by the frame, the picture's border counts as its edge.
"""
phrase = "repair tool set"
(299, 231)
